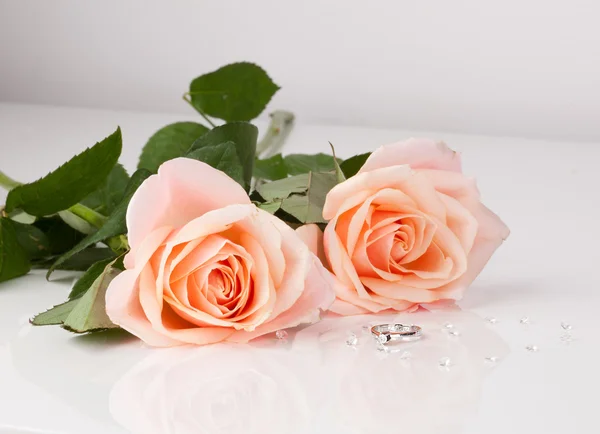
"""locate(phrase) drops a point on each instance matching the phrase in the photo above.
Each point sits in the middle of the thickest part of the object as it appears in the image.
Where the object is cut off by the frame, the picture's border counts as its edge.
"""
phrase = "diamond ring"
(385, 333)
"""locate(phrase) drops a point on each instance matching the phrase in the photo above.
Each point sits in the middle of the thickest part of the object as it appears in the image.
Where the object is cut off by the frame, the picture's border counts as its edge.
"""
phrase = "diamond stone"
(383, 338)
(454, 333)
(352, 340)
(566, 326)
(445, 362)
(448, 325)
(524, 320)
(532, 348)
(491, 360)
(281, 334)
(491, 320)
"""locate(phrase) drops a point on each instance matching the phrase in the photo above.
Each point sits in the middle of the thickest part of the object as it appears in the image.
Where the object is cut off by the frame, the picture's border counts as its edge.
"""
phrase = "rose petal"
(124, 309)
(418, 153)
(178, 194)
(316, 296)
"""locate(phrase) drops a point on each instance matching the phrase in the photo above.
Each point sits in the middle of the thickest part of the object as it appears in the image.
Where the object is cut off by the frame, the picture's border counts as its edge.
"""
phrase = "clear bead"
(281, 334)
(352, 340)
(491, 360)
(445, 363)
(566, 326)
(532, 348)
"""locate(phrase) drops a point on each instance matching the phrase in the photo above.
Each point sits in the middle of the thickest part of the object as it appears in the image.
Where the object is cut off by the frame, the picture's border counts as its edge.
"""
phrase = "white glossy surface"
(55, 382)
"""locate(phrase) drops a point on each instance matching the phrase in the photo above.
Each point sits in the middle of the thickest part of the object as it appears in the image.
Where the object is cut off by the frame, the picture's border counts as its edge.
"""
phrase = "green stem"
(282, 123)
(7, 182)
(189, 101)
(88, 214)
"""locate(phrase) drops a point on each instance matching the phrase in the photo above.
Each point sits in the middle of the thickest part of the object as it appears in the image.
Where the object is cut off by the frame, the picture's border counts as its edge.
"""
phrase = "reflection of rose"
(372, 391)
(319, 385)
(219, 389)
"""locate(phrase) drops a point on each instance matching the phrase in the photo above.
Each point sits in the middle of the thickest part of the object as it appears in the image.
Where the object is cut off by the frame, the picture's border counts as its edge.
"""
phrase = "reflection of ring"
(385, 333)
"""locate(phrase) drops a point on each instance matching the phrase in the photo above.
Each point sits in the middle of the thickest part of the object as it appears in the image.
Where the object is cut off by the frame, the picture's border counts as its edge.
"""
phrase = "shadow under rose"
(315, 382)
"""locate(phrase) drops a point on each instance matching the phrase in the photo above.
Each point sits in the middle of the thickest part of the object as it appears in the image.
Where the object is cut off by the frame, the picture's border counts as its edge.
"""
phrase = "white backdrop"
(526, 68)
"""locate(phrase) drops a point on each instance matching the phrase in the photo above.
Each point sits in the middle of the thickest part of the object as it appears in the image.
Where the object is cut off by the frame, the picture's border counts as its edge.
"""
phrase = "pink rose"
(408, 229)
(206, 265)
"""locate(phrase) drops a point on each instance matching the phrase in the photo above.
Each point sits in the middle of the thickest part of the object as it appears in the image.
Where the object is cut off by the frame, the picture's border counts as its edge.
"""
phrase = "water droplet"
(352, 340)
(445, 362)
(532, 348)
(281, 334)
(448, 325)
(491, 320)
(491, 360)
(566, 326)
(454, 333)
(524, 320)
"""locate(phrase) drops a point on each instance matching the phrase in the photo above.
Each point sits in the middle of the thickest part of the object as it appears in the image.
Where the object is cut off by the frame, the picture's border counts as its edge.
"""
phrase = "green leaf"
(235, 92)
(70, 183)
(89, 314)
(301, 196)
(115, 225)
(308, 207)
(85, 282)
(14, 261)
(80, 261)
(61, 237)
(55, 315)
(87, 311)
(32, 240)
(271, 207)
(302, 163)
(107, 197)
(352, 165)
(223, 157)
(283, 188)
(169, 142)
(272, 168)
(243, 134)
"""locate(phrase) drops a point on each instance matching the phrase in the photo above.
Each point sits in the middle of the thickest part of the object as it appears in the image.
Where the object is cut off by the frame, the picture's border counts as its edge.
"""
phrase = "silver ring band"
(385, 333)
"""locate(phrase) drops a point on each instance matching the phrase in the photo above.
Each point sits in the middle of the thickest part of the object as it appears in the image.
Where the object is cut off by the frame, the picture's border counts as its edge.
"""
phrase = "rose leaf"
(235, 92)
(223, 157)
(70, 183)
(169, 142)
(352, 165)
(14, 259)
